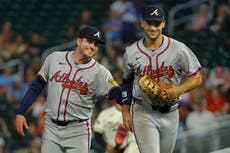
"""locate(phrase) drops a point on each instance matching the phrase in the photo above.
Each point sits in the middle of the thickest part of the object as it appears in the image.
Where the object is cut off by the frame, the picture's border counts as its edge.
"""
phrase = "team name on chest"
(155, 73)
(76, 84)
(64, 77)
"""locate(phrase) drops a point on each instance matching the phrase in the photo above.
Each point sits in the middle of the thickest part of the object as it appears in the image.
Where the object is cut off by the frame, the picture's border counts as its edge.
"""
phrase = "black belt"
(65, 123)
(162, 109)
(157, 107)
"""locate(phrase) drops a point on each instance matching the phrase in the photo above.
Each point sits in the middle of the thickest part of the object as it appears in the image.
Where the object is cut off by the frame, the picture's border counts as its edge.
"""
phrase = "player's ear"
(163, 24)
(78, 40)
(142, 23)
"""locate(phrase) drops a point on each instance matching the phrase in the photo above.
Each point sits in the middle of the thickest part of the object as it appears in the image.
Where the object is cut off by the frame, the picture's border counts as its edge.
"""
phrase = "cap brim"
(99, 40)
(153, 19)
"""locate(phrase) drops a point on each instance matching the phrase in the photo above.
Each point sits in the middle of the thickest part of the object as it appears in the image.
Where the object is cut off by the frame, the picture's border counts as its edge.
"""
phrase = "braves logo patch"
(155, 12)
(97, 34)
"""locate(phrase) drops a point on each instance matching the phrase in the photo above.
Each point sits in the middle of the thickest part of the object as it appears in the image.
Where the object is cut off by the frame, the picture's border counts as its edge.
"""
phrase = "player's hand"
(20, 123)
(110, 149)
(127, 117)
(169, 93)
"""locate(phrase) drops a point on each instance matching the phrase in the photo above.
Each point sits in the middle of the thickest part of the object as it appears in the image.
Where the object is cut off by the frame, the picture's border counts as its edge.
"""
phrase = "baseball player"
(165, 60)
(110, 133)
(74, 81)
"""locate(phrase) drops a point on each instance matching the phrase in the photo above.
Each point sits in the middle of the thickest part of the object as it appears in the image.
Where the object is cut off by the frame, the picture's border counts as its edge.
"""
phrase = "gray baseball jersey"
(172, 62)
(73, 88)
(72, 92)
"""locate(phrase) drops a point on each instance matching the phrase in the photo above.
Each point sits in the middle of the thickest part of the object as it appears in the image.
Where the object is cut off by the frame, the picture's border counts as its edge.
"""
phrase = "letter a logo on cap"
(97, 34)
(155, 12)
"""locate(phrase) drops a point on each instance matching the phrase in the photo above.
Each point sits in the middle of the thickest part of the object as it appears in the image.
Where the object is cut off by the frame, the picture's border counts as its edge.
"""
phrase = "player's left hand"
(110, 149)
(20, 123)
(126, 117)
(169, 93)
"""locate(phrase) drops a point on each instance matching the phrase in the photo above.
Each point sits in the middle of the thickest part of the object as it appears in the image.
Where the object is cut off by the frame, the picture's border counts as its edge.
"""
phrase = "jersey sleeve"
(128, 68)
(105, 81)
(43, 73)
(189, 61)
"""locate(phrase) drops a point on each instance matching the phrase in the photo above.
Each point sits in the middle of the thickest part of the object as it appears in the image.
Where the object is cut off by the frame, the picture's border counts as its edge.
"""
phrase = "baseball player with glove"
(158, 69)
(74, 81)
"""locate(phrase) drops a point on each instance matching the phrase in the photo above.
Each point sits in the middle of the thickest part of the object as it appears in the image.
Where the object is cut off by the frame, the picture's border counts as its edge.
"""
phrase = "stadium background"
(31, 29)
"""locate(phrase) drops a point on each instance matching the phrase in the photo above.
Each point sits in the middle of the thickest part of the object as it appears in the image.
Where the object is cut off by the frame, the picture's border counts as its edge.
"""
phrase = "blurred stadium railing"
(215, 141)
(66, 46)
(16, 63)
(174, 21)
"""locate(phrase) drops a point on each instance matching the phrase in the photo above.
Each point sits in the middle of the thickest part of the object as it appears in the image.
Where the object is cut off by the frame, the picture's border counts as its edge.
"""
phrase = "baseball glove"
(162, 91)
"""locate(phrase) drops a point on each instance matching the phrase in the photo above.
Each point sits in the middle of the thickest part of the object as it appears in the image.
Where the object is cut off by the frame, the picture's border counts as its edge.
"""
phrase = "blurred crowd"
(199, 108)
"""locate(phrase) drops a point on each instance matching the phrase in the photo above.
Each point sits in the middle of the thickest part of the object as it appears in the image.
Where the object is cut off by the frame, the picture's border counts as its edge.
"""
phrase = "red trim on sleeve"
(40, 76)
(196, 71)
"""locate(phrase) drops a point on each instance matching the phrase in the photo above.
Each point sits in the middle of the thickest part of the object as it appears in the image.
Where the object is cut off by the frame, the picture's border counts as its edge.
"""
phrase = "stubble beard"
(153, 39)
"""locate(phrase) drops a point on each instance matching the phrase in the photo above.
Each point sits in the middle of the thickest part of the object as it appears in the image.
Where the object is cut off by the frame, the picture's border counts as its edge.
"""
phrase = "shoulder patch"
(112, 81)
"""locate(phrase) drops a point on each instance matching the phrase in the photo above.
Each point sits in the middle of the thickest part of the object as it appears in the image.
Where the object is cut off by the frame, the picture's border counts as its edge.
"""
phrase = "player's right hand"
(20, 123)
(127, 117)
(110, 149)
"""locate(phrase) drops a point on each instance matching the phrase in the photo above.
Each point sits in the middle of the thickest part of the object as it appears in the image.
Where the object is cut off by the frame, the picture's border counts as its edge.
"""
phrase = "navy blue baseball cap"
(91, 32)
(153, 13)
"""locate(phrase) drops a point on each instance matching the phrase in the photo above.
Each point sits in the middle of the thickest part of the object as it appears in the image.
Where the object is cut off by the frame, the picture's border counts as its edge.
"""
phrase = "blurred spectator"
(216, 102)
(200, 123)
(112, 28)
(111, 135)
(192, 96)
(6, 38)
(184, 111)
(35, 64)
(18, 48)
(35, 47)
(215, 76)
(222, 20)
(4, 130)
(35, 145)
(38, 107)
(198, 120)
(225, 88)
(2, 144)
(139, 5)
(15, 91)
(29, 75)
(33, 132)
(200, 20)
(1, 61)
(112, 60)
(6, 78)
(40, 123)
(86, 19)
(127, 14)
(71, 33)
(224, 46)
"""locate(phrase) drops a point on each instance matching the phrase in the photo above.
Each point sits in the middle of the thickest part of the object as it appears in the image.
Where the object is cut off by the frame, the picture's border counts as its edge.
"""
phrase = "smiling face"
(153, 29)
(87, 47)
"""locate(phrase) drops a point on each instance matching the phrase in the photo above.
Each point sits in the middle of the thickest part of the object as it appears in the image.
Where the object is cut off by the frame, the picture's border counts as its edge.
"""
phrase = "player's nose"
(153, 27)
(93, 44)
